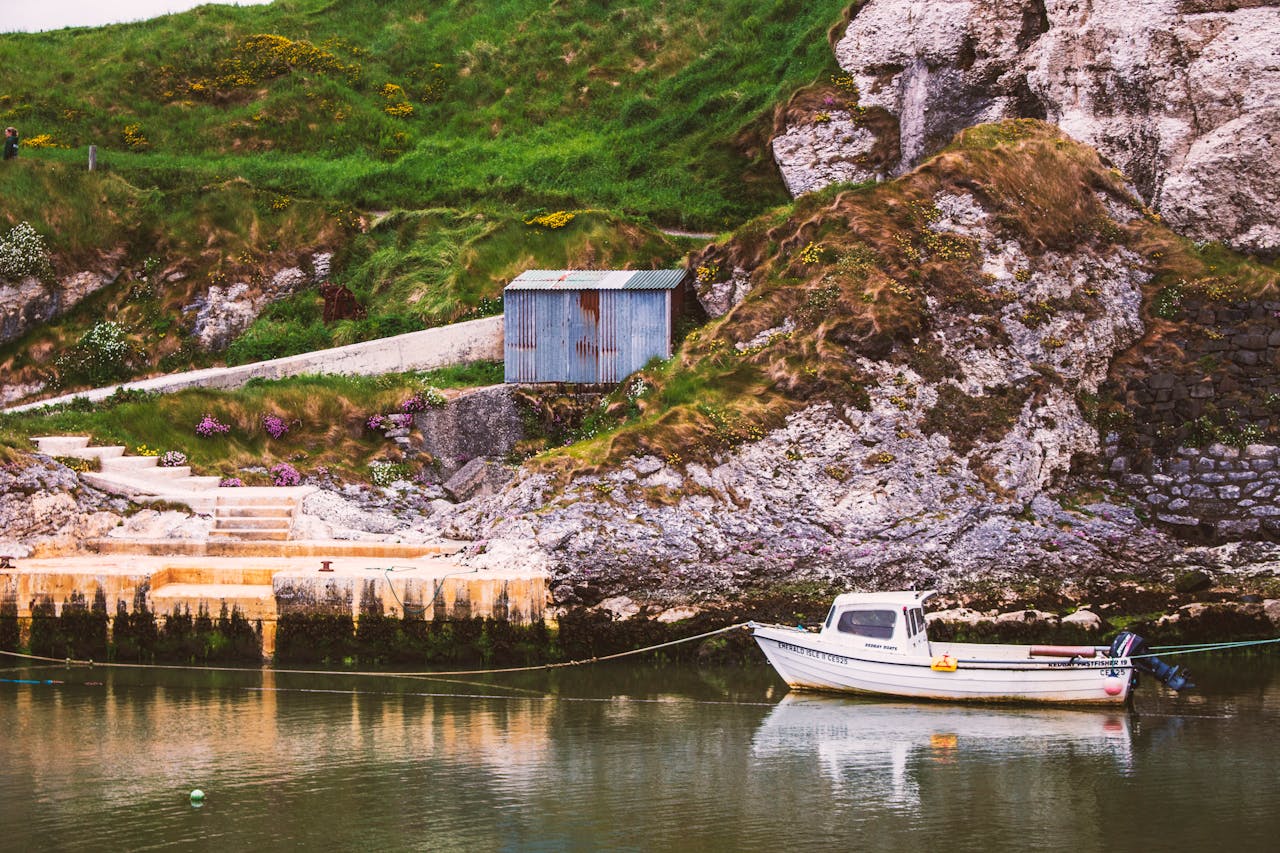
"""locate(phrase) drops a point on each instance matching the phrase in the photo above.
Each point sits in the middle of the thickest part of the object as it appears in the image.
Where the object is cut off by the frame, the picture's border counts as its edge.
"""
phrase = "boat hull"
(807, 663)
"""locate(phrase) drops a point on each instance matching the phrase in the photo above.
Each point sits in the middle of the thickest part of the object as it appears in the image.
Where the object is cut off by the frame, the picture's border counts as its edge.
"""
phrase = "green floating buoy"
(197, 796)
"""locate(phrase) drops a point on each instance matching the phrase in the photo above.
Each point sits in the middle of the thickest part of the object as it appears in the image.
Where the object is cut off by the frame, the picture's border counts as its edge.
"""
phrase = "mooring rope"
(378, 674)
(435, 596)
(1157, 651)
(1194, 648)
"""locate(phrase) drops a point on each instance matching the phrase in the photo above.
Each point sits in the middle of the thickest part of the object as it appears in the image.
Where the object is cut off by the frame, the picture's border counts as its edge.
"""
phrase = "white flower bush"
(23, 253)
(101, 355)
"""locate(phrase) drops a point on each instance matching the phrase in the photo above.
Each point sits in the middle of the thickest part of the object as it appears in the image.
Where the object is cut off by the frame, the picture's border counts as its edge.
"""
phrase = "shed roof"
(597, 280)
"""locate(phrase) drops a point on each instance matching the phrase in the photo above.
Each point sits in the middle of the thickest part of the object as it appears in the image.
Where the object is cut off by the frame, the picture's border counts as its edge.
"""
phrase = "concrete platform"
(320, 548)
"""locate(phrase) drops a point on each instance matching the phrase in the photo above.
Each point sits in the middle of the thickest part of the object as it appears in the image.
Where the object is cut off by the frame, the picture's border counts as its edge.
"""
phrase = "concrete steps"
(75, 446)
(178, 588)
(254, 517)
(142, 478)
(130, 465)
(255, 601)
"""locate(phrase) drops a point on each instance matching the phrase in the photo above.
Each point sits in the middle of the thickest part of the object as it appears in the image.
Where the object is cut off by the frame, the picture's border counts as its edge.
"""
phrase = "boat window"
(868, 623)
(830, 614)
(915, 618)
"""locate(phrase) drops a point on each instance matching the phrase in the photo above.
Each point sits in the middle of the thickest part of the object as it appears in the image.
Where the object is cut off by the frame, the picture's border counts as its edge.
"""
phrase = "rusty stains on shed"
(589, 326)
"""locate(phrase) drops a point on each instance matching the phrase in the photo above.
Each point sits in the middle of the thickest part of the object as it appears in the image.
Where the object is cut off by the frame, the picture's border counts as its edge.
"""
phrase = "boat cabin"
(888, 622)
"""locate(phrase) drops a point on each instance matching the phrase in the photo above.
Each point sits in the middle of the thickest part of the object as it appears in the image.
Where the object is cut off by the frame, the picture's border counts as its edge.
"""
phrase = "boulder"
(620, 607)
(484, 422)
(1192, 581)
(45, 510)
(1086, 619)
(1271, 607)
(478, 478)
(1028, 617)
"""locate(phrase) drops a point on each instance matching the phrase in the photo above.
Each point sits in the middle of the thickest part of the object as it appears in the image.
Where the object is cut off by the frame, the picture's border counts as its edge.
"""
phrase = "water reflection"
(623, 758)
(876, 751)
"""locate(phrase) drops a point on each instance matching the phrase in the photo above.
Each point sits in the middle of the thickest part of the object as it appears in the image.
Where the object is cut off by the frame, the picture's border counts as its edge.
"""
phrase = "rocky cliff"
(919, 365)
(1182, 95)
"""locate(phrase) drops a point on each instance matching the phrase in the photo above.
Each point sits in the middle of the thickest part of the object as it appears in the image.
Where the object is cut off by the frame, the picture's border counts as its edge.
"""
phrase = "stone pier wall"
(1220, 364)
(263, 595)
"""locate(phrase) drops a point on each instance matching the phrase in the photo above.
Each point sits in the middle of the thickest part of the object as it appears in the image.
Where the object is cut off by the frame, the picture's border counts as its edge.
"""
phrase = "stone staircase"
(249, 515)
(136, 477)
(242, 513)
(249, 590)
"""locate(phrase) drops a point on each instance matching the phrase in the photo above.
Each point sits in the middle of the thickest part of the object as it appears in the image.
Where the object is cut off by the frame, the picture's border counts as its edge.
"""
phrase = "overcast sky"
(33, 15)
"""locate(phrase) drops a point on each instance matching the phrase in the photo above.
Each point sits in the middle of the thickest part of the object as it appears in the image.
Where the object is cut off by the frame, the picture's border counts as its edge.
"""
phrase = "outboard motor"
(1130, 645)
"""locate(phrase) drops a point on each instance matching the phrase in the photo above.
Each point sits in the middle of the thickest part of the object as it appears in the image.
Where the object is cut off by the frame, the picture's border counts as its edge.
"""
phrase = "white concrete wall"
(474, 340)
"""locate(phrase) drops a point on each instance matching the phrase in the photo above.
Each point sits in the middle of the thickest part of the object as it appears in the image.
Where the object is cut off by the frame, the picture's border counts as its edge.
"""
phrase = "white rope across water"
(1158, 651)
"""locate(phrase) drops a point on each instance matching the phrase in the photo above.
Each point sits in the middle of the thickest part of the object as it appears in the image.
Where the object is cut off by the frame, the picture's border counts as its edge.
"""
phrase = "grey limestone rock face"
(345, 515)
(882, 494)
(478, 478)
(222, 313)
(1184, 97)
(824, 153)
(717, 297)
(45, 509)
(30, 302)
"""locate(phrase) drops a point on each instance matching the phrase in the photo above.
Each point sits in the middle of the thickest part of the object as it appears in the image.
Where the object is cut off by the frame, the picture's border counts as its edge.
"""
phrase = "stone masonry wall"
(1218, 492)
(1202, 444)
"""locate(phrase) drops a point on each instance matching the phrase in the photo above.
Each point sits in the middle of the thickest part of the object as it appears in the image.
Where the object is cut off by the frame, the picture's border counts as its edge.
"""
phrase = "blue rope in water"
(1194, 648)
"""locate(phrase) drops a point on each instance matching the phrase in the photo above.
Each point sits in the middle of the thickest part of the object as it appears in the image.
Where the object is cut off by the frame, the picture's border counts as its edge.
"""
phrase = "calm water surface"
(625, 758)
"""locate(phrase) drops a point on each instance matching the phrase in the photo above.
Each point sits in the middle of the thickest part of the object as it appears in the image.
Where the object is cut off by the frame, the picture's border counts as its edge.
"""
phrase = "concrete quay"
(428, 585)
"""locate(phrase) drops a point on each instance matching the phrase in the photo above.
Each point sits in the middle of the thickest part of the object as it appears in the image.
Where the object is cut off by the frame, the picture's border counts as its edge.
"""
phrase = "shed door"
(584, 336)
(614, 331)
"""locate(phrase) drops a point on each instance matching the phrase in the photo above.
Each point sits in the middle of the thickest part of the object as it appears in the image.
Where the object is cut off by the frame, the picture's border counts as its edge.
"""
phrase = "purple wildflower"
(209, 425)
(285, 474)
(276, 427)
(173, 459)
(416, 403)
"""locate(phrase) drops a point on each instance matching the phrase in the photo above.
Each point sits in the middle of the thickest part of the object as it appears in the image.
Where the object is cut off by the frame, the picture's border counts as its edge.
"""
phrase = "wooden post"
(93, 157)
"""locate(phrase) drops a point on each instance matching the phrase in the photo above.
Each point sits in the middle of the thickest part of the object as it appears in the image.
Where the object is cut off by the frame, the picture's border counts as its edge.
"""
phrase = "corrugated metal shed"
(597, 280)
(589, 326)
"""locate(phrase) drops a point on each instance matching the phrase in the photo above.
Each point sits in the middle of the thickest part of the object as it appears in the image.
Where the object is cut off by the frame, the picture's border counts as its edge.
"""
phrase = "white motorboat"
(878, 643)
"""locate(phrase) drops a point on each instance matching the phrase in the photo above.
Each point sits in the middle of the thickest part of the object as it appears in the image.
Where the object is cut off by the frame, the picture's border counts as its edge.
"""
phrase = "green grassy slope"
(657, 109)
(415, 140)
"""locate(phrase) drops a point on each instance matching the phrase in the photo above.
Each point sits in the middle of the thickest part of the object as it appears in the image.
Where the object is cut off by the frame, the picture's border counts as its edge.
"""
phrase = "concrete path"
(459, 343)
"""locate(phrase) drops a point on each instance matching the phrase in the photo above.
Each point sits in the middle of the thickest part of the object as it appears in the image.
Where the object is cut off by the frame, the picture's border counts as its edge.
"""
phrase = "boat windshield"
(868, 623)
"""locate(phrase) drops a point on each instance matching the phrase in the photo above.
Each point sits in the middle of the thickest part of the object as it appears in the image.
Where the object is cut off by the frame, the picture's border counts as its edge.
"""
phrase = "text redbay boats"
(878, 643)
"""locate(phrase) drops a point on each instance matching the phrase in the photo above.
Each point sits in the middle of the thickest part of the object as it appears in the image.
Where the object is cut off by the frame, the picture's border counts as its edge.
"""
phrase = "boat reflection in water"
(875, 750)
